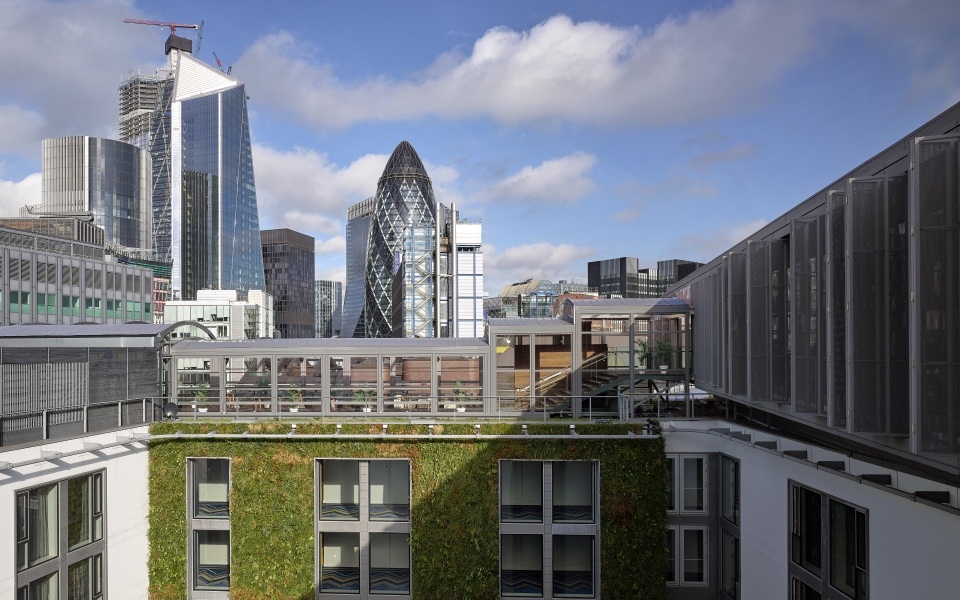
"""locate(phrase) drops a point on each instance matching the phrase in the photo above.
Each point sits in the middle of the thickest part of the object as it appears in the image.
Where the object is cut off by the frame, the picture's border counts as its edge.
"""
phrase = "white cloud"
(336, 244)
(540, 260)
(15, 194)
(703, 247)
(708, 63)
(65, 61)
(303, 190)
(561, 179)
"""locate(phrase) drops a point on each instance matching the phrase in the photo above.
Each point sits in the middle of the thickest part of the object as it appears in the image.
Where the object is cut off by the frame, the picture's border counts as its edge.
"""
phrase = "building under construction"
(192, 118)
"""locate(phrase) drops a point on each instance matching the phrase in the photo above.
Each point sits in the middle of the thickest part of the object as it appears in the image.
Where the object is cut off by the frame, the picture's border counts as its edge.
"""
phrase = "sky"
(576, 131)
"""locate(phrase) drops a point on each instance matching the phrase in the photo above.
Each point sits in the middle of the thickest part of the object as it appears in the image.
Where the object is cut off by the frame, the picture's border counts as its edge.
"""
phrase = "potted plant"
(201, 395)
(663, 350)
(645, 354)
(460, 396)
(295, 397)
(365, 396)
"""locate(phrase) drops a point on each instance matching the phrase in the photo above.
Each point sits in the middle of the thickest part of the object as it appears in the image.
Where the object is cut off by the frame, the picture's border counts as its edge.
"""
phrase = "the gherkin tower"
(401, 246)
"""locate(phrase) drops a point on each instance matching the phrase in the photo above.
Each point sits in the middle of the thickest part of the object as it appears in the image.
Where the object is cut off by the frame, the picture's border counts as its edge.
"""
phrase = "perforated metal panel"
(108, 375)
(737, 332)
(758, 325)
(938, 297)
(837, 354)
(808, 350)
(867, 299)
(779, 257)
(898, 307)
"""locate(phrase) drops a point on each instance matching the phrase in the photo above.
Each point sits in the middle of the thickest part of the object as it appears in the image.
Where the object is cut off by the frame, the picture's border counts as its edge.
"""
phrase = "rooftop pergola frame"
(582, 365)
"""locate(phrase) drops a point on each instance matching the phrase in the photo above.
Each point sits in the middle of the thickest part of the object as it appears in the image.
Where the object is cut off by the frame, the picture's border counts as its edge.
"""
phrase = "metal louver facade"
(844, 312)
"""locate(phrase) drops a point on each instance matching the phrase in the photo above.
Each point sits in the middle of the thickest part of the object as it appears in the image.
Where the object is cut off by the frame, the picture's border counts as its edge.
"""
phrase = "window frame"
(363, 527)
(822, 583)
(675, 490)
(546, 529)
(58, 565)
(196, 524)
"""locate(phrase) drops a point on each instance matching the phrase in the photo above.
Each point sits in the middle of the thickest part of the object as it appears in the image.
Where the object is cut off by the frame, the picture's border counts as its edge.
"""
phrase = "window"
(59, 536)
(806, 523)
(694, 542)
(373, 515)
(693, 484)
(730, 489)
(828, 547)
(687, 555)
(549, 508)
(848, 549)
(71, 305)
(46, 304)
(729, 563)
(37, 526)
(671, 484)
(521, 491)
(212, 554)
(521, 565)
(729, 527)
(208, 521)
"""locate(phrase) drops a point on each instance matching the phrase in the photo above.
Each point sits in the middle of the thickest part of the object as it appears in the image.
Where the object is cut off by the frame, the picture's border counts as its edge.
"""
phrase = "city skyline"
(517, 142)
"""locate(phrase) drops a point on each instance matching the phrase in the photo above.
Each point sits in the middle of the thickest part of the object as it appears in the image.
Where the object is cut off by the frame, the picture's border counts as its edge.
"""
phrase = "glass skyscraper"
(404, 203)
(288, 259)
(358, 232)
(329, 308)
(107, 178)
(422, 264)
(193, 119)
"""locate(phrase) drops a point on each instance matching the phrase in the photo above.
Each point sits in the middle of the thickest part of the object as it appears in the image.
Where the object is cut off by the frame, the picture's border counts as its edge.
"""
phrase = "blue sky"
(575, 130)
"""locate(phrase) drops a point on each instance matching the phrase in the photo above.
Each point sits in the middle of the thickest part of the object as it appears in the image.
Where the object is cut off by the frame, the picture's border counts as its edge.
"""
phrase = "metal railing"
(62, 423)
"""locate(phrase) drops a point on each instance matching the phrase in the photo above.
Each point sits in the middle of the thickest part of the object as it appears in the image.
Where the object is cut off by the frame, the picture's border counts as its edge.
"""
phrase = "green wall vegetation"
(454, 513)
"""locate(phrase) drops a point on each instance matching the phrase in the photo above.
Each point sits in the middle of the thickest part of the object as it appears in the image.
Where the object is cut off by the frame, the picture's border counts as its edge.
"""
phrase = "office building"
(614, 277)
(192, 119)
(288, 261)
(104, 179)
(329, 308)
(57, 279)
(621, 277)
(358, 232)
(226, 315)
(823, 460)
(424, 264)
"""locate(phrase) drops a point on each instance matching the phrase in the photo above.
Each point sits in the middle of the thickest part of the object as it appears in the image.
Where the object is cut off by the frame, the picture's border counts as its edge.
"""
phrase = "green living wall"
(454, 513)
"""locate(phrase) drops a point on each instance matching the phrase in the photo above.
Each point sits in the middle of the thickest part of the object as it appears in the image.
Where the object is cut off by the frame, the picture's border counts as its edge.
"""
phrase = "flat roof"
(647, 305)
(40, 330)
(422, 344)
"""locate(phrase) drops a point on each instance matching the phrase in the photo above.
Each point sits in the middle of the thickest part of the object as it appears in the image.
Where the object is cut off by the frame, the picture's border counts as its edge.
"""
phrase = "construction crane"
(172, 26)
(220, 64)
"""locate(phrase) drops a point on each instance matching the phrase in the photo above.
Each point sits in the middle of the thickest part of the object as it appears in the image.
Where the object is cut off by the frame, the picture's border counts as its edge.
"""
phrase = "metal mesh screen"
(738, 324)
(807, 318)
(838, 316)
(898, 307)
(867, 298)
(143, 373)
(102, 417)
(819, 287)
(108, 375)
(131, 413)
(65, 423)
(779, 320)
(718, 347)
(938, 294)
(21, 430)
(759, 336)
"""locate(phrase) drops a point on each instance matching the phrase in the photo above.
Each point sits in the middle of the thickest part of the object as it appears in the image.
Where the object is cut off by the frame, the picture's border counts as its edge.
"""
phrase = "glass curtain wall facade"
(404, 200)
(358, 233)
(288, 259)
(108, 178)
(204, 195)
(329, 308)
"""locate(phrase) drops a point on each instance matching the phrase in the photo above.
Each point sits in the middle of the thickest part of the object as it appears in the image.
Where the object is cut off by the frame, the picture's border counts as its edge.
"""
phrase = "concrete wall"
(126, 506)
(912, 547)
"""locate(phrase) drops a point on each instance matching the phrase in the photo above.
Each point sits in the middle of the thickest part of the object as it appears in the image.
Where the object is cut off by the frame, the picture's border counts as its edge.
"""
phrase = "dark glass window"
(848, 550)
(806, 524)
(211, 488)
